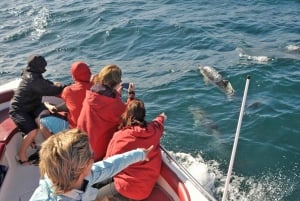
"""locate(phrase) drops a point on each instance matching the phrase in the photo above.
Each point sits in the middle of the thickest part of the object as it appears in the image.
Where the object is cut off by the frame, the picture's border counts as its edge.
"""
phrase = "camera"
(125, 85)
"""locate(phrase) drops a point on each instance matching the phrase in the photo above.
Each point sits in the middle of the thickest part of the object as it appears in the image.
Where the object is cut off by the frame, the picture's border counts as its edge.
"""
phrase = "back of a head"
(134, 114)
(81, 71)
(63, 156)
(109, 76)
(36, 63)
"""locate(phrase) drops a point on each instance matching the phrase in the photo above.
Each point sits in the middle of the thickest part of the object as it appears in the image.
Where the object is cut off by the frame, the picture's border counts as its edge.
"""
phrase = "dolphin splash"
(213, 76)
(261, 59)
(293, 48)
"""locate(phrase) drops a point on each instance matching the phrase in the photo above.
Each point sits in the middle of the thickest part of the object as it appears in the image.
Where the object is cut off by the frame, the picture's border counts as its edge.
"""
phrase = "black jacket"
(32, 88)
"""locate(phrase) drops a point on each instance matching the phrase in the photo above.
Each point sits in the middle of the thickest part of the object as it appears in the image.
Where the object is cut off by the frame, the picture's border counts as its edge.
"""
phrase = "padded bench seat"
(175, 183)
(7, 130)
(2, 149)
(158, 193)
(6, 96)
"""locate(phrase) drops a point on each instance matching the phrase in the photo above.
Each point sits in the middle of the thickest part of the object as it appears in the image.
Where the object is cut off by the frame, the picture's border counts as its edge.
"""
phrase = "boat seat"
(6, 96)
(175, 183)
(158, 193)
(3, 114)
(7, 130)
(2, 149)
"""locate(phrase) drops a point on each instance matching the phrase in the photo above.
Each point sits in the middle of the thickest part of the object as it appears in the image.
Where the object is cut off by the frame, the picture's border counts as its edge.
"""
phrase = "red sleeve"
(65, 93)
(159, 123)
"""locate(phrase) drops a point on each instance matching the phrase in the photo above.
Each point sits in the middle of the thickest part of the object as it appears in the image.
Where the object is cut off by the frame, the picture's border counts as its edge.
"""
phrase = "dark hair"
(134, 115)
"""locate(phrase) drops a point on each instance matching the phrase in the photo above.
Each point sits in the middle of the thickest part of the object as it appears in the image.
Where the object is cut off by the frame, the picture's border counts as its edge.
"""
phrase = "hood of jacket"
(81, 71)
(105, 108)
(36, 63)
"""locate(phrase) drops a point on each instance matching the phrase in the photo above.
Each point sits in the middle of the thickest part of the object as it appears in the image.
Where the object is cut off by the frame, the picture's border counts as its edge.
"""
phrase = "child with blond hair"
(68, 169)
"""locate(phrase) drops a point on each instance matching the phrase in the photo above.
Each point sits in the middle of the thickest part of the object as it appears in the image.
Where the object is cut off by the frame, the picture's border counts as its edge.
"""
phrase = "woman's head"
(134, 114)
(63, 158)
(109, 76)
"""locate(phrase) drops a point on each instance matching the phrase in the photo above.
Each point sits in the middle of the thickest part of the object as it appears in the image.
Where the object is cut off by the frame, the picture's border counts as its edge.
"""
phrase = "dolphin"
(201, 118)
(211, 75)
(243, 55)
(259, 58)
(293, 48)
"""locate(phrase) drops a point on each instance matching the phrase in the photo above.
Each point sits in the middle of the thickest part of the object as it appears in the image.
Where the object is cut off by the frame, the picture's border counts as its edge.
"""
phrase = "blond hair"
(109, 76)
(63, 157)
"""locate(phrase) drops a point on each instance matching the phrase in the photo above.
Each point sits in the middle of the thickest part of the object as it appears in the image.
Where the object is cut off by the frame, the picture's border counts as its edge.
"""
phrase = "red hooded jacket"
(74, 94)
(137, 181)
(100, 118)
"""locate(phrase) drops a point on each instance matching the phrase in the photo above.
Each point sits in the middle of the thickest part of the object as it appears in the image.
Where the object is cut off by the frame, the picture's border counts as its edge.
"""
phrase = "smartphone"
(125, 85)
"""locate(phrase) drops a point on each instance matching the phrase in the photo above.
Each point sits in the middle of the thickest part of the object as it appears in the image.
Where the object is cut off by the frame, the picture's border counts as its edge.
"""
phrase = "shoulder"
(66, 90)
(124, 138)
(41, 192)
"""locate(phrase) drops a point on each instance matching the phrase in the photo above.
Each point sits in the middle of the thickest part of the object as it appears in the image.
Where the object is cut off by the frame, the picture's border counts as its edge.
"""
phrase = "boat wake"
(268, 186)
(198, 169)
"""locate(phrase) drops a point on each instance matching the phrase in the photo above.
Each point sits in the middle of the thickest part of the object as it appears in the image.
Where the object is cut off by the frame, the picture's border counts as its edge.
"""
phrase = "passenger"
(74, 94)
(49, 125)
(26, 104)
(102, 108)
(137, 181)
(68, 169)
(52, 124)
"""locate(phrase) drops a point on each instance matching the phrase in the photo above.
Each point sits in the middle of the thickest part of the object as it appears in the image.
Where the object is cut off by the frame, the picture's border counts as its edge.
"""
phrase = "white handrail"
(236, 139)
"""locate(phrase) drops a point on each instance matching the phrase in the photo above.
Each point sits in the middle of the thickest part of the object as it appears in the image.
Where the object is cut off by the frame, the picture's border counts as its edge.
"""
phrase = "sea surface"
(159, 44)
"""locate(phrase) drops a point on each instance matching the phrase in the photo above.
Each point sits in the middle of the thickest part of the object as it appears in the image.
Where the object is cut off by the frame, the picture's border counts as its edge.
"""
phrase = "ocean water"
(159, 45)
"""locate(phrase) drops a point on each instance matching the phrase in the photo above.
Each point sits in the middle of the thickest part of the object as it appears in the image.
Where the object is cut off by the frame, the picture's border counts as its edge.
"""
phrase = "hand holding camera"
(129, 86)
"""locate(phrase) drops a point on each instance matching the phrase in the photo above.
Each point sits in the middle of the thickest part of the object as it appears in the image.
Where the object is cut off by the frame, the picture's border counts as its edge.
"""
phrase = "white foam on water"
(260, 58)
(270, 186)
(40, 22)
(197, 168)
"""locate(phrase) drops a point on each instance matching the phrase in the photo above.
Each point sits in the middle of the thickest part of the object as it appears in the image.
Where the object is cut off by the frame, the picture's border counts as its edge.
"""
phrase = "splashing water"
(40, 23)
(269, 186)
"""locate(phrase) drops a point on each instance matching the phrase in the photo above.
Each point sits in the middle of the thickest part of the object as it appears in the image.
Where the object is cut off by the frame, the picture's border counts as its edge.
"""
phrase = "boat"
(17, 182)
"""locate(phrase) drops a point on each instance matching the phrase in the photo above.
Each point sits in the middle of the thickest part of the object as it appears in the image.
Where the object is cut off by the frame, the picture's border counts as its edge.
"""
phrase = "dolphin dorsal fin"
(225, 82)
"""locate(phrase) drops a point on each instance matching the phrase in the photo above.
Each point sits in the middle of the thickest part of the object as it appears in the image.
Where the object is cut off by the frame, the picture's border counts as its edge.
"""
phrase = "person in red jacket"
(74, 94)
(136, 181)
(102, 108)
